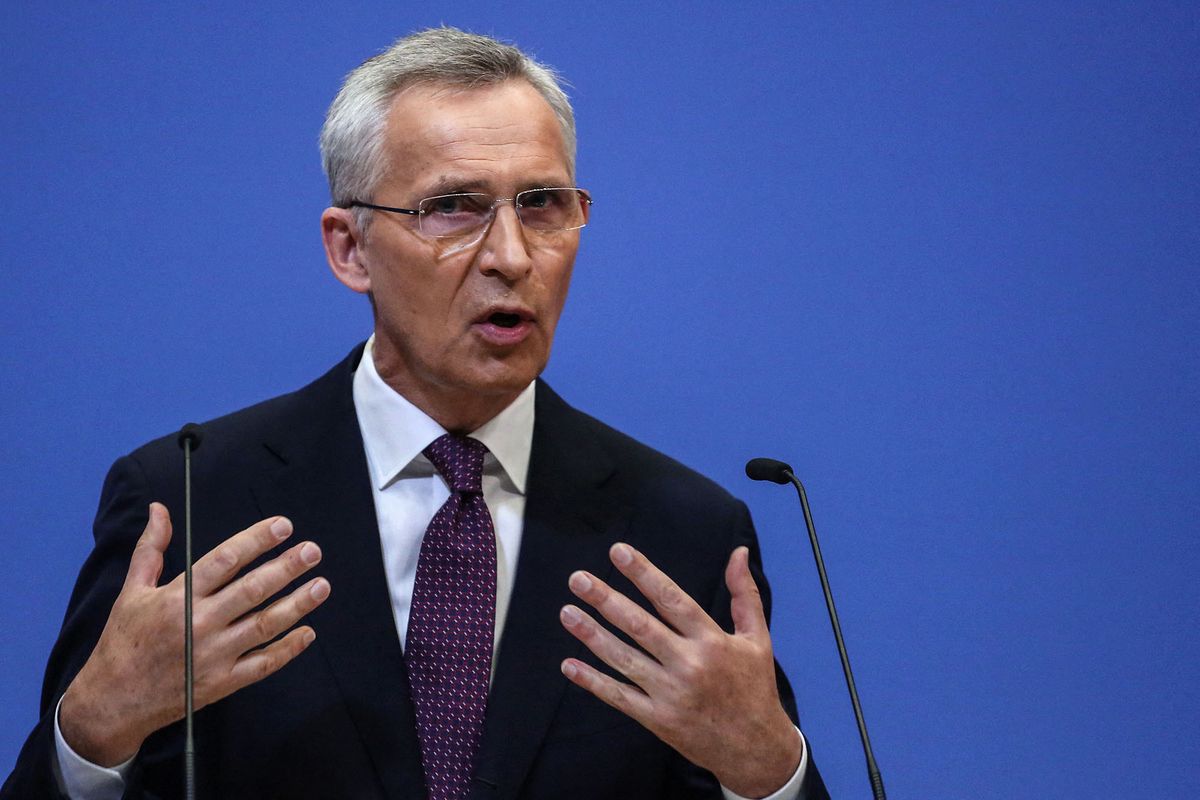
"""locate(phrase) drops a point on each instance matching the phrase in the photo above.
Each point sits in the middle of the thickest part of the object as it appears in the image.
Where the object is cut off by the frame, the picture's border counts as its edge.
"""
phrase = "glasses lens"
(551, 209)
(453, 214)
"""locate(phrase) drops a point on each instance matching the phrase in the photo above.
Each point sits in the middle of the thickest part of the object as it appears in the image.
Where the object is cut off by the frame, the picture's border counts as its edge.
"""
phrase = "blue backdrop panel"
(943, 259)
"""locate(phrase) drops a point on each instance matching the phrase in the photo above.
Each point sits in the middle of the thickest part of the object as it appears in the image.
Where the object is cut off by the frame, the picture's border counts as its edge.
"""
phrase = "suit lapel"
(569, 524)
(324, 487)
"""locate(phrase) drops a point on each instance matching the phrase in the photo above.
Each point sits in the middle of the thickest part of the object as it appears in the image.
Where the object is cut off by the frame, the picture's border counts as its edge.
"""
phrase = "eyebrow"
(454, 184)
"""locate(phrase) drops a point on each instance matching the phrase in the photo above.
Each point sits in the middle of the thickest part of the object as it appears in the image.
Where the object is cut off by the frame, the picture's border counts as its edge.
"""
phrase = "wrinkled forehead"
(491, 136)
(435, 101)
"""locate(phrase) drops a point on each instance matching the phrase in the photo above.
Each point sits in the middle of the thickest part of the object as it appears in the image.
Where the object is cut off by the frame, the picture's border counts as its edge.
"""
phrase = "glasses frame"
(584, 195)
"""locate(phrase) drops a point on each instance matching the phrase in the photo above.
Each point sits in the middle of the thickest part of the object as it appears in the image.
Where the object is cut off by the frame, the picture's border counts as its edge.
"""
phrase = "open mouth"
(504, 320)
(505, 328)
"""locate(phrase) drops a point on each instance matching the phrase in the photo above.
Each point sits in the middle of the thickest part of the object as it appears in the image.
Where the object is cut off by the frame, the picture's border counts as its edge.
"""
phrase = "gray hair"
(352, 137)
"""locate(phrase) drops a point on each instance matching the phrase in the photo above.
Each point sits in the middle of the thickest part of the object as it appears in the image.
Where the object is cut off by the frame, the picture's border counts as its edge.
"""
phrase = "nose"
(504, 250)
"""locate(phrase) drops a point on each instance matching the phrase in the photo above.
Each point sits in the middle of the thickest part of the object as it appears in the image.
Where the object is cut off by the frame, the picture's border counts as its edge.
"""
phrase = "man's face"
(444, 308)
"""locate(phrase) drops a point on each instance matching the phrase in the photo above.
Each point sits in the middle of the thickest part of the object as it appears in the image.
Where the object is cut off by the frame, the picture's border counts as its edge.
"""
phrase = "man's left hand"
(709, 694)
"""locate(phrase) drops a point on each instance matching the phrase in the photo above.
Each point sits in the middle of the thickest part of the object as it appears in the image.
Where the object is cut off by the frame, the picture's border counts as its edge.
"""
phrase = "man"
(459, 512)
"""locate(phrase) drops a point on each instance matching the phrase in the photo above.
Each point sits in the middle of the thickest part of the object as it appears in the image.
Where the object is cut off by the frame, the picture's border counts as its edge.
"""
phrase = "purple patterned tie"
(448, 649)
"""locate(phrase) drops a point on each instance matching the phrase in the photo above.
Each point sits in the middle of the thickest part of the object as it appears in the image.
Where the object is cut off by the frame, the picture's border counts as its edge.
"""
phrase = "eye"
(540, 199)
(450, 205)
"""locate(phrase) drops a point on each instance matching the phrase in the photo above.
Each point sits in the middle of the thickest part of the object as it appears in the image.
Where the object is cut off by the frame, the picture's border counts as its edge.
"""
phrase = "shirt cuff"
(80, 779)
(791, 789)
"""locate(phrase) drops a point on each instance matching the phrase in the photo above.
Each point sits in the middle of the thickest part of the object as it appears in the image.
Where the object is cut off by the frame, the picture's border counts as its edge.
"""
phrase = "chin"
(497, 386)
(504, 378)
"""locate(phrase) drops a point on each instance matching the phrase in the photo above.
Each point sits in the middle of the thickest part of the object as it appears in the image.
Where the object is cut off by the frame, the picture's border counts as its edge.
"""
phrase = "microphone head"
(768, 469)
(190, 433)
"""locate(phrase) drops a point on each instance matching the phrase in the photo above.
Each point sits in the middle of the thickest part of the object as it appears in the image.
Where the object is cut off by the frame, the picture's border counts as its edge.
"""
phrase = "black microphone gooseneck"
(768, 469)
(189, 439)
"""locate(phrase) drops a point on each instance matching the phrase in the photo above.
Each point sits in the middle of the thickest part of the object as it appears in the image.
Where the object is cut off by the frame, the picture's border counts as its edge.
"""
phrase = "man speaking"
(424, 574)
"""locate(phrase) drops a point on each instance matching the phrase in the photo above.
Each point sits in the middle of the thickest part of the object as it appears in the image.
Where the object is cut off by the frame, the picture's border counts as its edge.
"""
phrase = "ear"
(343, 248)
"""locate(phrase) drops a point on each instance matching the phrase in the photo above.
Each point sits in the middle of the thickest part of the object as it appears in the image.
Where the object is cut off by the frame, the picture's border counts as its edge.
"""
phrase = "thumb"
(146, 565)
(746, 605)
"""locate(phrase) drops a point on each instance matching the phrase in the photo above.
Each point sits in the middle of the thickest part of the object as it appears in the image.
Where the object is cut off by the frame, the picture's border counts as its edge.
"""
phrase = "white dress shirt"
(408, 492)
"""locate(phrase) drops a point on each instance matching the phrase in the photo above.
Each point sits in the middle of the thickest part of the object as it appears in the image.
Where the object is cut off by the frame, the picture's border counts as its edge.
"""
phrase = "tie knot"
(459, 459)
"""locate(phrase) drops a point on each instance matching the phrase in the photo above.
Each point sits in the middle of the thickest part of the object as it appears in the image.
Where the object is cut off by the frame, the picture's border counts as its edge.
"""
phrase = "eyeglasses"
(447, 215)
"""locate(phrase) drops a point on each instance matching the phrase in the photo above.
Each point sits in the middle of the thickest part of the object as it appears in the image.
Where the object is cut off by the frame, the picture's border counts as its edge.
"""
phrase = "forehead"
(497, 138)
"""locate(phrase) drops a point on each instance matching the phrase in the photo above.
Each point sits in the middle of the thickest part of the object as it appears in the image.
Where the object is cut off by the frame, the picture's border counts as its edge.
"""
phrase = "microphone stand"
(777, 472)
(189, 440)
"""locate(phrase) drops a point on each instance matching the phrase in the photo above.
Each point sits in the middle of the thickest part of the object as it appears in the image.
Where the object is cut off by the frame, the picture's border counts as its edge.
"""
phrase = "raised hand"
(132, 683)
(710, 695)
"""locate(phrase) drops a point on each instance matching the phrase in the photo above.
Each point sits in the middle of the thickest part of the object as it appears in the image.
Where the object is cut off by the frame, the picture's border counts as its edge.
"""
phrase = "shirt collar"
(395, 431)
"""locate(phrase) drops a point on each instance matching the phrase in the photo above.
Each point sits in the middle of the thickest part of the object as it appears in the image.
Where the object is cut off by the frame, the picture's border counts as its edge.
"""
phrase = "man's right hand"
(132, 683)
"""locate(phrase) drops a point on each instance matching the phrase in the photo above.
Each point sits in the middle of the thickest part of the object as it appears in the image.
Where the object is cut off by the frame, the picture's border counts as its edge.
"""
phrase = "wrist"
(92, 731)
(773, 764)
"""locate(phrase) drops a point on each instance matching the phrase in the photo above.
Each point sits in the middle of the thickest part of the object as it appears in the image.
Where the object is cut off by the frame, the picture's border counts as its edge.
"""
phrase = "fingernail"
(622, 555)
(310, 553)
(570, 615)
(319, 590)
(569, 669)
(281, 528)
(579, 582)
(309, 637)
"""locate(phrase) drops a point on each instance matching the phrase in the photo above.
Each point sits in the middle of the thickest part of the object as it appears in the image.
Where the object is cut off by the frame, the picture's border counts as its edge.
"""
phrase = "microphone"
(768, 469)
(189, 439)
(192, 434)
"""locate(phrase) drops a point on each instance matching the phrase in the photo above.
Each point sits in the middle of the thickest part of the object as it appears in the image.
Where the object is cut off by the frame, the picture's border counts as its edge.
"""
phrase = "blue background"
(942, 257)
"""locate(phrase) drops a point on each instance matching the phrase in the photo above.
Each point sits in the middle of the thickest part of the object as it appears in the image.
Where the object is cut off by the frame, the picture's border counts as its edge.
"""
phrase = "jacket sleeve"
(121, 518)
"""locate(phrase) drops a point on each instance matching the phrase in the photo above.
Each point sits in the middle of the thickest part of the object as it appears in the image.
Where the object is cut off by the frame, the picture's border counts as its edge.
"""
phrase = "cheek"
(558, 260)
(417, 294)
(558, 292)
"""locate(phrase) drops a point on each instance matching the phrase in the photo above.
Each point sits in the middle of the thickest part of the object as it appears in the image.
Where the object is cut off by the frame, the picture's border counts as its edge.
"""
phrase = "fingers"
(146, 565)
(621, 696)
(712, 696)
(630, 662)
(258, 664)
(746, 605)
(672, 603)
(221, 564)
(628, 616)
(263, 626)
(257, 586)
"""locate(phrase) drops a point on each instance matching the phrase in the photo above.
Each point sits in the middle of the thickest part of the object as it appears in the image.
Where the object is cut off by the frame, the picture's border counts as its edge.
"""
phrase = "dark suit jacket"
(338, 722)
